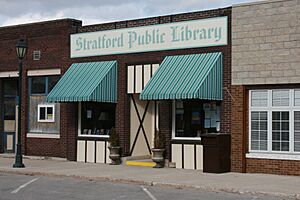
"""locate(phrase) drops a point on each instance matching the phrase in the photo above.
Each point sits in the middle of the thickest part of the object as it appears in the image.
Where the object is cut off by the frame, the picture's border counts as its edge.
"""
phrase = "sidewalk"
(286, 186)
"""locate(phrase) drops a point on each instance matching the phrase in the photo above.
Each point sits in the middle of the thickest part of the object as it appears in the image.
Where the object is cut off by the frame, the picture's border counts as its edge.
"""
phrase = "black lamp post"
(21, 47)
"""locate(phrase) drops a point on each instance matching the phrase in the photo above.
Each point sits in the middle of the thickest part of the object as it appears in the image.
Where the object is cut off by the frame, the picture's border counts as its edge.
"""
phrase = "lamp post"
(21, 47)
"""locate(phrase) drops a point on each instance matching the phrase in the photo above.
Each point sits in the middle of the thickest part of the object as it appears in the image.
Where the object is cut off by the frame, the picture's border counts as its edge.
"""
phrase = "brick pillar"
(165, 124)
(238, 123)
(122, 121)
(69, 126)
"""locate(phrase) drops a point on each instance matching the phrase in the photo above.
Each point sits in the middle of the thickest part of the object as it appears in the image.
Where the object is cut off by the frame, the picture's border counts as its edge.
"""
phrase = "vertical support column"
(69, 129)
(165, 124)
(238, 133)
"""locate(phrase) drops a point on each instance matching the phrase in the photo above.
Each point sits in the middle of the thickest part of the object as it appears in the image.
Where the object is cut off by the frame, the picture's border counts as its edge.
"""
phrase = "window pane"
(38, 85)
(52, 80)
(10, 88)
(280, 131)
(254, 135)
(259, 98)
(280, 97)
(42, 113)
(263, 145)
(49, 113)
(255, 145)
(9, 109)
(297, 98)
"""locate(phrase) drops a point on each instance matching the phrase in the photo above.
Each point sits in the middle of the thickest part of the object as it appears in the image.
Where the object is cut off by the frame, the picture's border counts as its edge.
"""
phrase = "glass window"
(280, 98)
(280, 131)
(46, 113)
(193, 118)
(297, 98)
(259, 130)
(38, 85)
(259, 98)
(52, 80)
(97, 118)
(297, 131)
(10, 88)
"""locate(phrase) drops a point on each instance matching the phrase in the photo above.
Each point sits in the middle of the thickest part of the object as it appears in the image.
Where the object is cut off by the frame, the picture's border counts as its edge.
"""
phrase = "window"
(193, 118)
(38, 85)
(259, 130)
(42, 85)
(36, 55)
(274, 121)
(97, 119)
(46, 113)
(10, 88)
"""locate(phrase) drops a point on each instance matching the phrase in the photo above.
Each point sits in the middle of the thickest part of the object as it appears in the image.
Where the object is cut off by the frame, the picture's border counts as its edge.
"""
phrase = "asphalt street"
(25, 187)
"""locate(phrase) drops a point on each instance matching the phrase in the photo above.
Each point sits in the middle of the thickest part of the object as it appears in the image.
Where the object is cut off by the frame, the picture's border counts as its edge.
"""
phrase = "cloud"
(96, 11)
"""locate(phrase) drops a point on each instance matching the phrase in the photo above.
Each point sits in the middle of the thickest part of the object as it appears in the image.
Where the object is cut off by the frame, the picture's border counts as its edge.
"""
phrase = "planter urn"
(158, 157)
(114, 155)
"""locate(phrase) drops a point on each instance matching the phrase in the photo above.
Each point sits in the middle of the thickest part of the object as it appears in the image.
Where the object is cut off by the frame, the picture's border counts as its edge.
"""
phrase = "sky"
(13, 12)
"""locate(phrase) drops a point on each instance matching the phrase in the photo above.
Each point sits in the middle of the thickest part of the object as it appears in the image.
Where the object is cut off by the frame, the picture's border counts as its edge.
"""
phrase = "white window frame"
(46, 106)
(173, 125)
(269, 154)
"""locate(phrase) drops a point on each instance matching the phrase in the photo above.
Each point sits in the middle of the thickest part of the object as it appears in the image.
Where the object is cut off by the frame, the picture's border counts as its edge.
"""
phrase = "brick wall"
(281, 167)
(266, 42)
(237, 129)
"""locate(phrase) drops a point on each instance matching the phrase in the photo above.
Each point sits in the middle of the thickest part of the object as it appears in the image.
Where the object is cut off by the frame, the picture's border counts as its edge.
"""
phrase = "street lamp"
(21, 47)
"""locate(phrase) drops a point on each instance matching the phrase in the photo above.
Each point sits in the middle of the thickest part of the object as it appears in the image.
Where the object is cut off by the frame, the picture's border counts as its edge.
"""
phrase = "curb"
(152, 183)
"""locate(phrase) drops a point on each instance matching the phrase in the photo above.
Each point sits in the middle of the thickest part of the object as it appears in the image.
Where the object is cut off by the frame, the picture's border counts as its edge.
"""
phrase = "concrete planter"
(158, 157)
(114, 155)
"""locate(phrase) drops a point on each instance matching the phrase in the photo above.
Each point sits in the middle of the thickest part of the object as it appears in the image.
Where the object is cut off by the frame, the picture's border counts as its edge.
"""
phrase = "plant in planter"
(114, 147)
(158, 150)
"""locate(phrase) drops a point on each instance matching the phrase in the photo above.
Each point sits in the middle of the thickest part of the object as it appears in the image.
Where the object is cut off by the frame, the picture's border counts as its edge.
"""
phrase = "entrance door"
(142, 126)
(8, 119)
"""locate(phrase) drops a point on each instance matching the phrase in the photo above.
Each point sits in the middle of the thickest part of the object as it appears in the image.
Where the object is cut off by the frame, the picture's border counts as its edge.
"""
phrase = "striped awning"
(194, 76)
(90, 81)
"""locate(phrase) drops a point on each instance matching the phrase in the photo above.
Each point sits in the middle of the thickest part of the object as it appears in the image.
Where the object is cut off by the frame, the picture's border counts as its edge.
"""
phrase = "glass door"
(9, 115)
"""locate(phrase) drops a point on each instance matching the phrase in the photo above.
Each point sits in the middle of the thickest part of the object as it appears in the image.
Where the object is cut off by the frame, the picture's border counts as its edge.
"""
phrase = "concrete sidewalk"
(285, 186)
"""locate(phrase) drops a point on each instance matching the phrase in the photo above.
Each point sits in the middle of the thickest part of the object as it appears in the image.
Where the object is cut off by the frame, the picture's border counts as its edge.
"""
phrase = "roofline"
(41, 22)
(158, 16)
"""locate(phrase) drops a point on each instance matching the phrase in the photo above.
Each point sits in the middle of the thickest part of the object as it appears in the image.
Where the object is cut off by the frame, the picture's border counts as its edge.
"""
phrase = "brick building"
(265, 79)
(114, 78)
(46, 59)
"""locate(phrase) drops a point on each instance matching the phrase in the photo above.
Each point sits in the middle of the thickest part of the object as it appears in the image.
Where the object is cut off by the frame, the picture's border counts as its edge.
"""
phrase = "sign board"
(178, 35)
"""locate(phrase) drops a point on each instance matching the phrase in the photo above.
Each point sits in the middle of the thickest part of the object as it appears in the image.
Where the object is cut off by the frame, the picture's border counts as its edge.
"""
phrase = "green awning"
(195, 76)
(90, 81)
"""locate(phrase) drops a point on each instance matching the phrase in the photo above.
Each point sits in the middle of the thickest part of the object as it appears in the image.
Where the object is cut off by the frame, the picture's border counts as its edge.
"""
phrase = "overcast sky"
(14, 12)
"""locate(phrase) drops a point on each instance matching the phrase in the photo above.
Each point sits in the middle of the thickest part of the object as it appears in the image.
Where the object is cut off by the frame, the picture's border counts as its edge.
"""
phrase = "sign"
(178, 35)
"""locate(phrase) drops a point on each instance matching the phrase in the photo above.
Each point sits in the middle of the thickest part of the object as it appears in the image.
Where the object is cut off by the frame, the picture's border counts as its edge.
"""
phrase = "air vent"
(36, 55)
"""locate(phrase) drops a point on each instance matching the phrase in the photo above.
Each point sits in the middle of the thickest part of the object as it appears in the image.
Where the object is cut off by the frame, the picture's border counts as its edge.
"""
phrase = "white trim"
(273, 156)
(9, 74)
(94, 136)
(79, 119)
(42, 135)
(46, 114)
(43, 72)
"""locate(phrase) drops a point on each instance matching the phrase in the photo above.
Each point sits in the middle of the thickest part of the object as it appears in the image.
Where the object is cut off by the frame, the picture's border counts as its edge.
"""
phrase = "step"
(142, 163)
